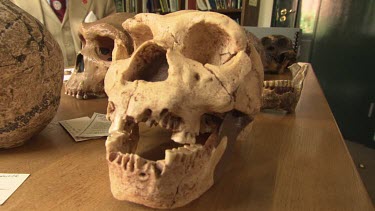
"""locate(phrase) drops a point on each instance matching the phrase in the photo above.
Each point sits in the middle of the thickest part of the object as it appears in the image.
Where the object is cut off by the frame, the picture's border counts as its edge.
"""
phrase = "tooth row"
(133, 162)
(168, 121)
(187, 153)
(78, 95)
(277, 83)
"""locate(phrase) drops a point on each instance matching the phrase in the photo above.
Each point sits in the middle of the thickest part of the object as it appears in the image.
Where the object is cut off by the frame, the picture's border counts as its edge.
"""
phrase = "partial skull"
(279, 53)
(99, 40)
(31, 76)
(188, 70)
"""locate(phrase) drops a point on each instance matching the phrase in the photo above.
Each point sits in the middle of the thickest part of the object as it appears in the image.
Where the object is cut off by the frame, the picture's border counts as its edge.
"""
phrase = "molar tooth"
(149, 122)
(190, 138)
(78, 96)
(192, 148)
(183, 137)
(159, 166)
(139, 162)
(130, 164)
(178, 137)
(125, 160)
(170, 156)
(118, 159)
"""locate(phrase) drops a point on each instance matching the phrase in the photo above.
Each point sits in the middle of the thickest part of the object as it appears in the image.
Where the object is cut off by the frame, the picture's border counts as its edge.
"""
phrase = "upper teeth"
(183, 137)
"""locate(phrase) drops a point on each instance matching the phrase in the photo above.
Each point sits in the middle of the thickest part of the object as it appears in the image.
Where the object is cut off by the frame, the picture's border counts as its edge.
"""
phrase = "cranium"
(29, 57)
(98, 38)
(188, 69)
(279, 53)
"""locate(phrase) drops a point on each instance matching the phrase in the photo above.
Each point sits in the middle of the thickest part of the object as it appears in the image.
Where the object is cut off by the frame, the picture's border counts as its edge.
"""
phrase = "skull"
(99, 39)
(29, 57)
(188, 70)
(279, 53)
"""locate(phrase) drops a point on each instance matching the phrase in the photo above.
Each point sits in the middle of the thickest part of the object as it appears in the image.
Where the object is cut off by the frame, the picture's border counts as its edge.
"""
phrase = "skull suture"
(188, 69)
(279, 53)
(99, 39)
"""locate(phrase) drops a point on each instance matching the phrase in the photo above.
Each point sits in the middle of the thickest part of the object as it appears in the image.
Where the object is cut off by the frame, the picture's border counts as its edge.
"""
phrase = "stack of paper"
(85, 128)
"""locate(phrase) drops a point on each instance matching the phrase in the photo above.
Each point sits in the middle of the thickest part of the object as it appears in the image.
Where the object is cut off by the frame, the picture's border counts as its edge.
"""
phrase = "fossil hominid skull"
(279, 53)
(99, 39)
(188, 69)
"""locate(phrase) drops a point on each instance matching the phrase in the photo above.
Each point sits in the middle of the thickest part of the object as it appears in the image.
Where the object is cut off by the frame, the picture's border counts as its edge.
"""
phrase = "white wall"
(265, 13)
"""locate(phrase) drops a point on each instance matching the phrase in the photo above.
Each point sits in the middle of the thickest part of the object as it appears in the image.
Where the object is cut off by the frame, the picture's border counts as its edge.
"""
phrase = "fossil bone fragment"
(31, 74)
(188, 70)
(279, 53)
(283, 95)
(99, 40)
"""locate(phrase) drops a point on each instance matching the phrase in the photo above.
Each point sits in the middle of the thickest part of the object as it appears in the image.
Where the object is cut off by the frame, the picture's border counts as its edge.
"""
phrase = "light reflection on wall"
(309, 13)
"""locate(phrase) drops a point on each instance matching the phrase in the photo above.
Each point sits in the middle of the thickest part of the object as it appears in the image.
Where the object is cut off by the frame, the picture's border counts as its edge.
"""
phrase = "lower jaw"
(184, 175)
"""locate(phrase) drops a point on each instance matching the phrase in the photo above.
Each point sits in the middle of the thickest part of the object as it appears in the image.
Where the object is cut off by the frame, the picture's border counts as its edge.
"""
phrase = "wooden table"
(289, 162)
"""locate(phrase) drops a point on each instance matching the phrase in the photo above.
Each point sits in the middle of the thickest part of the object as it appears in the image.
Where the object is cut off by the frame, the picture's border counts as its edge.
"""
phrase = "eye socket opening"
(149, 64)
(283, 42)
(83, 40)
(266, 41)
(104, 47)
(140, 34)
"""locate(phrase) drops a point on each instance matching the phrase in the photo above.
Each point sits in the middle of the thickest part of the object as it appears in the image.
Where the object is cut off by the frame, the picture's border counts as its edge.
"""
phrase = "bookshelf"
(245, 12)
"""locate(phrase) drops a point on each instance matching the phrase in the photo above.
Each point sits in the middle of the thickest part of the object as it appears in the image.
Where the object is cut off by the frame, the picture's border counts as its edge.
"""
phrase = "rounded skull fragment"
(99, 40)
(31, 74)
(188, 70)
(279, 53)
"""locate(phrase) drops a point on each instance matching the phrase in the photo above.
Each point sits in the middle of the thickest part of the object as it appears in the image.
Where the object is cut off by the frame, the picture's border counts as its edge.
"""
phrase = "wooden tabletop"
(288, 162)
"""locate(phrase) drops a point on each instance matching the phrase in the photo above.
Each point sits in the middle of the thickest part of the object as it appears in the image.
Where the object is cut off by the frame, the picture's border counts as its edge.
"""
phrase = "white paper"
(91, 17)
(75, 126)
(9, 184)
(67, 77)
(97, 127)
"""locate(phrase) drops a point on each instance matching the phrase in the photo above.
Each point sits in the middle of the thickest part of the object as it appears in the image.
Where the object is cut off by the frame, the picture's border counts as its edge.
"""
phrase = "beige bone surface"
(92, 64)
(188, 70)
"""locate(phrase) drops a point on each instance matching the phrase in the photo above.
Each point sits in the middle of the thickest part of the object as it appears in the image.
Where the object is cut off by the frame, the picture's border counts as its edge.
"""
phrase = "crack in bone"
(131, 96)
(221, 83)
(229, 58)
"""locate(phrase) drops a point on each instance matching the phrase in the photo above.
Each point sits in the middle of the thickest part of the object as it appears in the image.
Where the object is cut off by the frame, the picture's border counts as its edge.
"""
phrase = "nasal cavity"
(80, 65)
(149, 64)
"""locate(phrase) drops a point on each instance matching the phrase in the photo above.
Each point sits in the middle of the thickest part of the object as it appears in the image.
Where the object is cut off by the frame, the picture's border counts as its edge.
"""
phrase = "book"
(173, 5)
(207, 2)
(201, 5)
(191, 4)
(119, 5)
(213, 4)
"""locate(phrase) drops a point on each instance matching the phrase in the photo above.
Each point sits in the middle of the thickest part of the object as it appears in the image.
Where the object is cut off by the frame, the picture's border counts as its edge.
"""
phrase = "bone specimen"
(283, 95)
(31, 74)
(99, 39)
(279, 53)
(187, 71)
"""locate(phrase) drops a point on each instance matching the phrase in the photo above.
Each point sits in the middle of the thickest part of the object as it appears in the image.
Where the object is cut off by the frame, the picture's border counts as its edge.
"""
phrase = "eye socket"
(83, 41)
(283, 42)
(104, 48)
(149, 64)
(266, 41)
